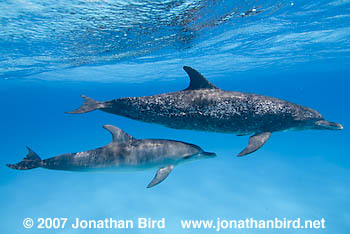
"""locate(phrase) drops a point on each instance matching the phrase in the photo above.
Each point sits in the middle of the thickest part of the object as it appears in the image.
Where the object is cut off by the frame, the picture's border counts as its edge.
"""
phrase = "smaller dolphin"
(124, 152)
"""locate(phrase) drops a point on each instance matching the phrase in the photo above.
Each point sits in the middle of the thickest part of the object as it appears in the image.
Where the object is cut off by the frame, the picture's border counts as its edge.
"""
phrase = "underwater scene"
(203, 116)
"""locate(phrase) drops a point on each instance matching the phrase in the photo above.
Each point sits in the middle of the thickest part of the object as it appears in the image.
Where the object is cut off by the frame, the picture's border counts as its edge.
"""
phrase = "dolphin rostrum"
(205, 107)
(124, 152)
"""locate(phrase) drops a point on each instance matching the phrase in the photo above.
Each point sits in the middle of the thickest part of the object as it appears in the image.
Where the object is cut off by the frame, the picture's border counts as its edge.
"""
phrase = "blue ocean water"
(53, 51)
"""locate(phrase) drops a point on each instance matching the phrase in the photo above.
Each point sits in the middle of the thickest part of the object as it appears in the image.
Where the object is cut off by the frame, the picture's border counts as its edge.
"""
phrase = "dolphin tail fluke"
(88, 105)
(255, 142)
(31, 161)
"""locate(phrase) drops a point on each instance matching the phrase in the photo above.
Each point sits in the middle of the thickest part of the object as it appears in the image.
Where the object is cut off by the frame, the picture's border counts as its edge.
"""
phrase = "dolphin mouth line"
(210, 154)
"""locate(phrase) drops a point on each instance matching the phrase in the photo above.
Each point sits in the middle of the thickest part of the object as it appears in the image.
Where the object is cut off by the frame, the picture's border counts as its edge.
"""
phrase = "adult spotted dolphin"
(205, 107)
(124, 152)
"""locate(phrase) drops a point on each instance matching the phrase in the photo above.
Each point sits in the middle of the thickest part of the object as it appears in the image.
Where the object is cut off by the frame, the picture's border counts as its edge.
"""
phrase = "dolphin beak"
(209, 154)
(323, 124)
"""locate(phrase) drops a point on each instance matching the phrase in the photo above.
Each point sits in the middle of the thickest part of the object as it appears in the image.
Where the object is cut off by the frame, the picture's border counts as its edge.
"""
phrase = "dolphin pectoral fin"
(162, 173)
(197, 80)
(255, 142)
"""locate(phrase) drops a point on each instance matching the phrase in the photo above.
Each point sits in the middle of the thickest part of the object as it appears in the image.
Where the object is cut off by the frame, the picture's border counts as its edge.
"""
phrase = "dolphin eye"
(187, 157)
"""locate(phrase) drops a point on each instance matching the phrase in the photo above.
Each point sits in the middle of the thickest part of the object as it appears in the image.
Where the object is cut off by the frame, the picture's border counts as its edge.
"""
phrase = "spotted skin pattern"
(205, 107)
(214, 110)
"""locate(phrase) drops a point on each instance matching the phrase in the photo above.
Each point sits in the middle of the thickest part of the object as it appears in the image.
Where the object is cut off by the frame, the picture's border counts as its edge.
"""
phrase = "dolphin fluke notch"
(88, 105)
(118, 135)
(161, 175)
(31, 161)
(197, 80)
(255, 142)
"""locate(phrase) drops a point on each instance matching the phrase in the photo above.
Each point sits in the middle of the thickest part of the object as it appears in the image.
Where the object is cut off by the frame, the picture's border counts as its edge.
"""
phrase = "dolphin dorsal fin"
(198, 81)
(118, 135)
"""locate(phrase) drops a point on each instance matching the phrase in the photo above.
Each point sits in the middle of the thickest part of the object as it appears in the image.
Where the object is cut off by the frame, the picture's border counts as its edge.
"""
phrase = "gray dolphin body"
(124, 152)
(205, 107)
